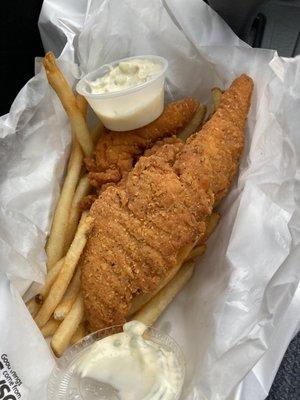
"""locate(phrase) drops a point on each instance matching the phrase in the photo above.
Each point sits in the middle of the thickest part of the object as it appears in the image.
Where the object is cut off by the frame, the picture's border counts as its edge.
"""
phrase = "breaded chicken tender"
(116, 152)
(143, 228)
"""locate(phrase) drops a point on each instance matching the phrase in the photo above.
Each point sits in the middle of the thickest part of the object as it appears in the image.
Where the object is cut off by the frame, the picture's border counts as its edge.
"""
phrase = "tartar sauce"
(137, 368)
(126, 74)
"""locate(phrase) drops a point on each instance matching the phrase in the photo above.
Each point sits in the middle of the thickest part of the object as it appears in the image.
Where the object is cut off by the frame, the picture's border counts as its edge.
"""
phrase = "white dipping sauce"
(125, 75)
(129, 95)
(137, 368)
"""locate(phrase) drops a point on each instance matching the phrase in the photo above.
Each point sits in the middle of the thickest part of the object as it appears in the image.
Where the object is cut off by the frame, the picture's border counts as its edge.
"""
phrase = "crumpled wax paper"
(240, 310)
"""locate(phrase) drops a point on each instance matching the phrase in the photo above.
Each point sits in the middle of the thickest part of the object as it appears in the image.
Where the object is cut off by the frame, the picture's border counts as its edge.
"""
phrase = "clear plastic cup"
(65, 384)
(129, 108)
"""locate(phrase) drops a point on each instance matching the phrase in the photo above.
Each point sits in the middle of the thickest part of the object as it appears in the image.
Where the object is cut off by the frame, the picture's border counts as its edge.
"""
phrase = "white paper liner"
(234, 318)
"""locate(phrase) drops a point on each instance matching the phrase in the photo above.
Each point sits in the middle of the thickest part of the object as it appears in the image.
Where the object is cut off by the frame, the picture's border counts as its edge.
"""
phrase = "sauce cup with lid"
(131, 107)
(130, 362)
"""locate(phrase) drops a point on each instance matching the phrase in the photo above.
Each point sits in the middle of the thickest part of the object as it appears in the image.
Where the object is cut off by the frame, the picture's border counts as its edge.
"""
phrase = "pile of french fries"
(58, 307)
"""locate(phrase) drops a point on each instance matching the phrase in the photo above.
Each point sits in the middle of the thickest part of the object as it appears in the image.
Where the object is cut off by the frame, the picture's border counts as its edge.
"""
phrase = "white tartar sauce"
(126, 74)
(137, 368)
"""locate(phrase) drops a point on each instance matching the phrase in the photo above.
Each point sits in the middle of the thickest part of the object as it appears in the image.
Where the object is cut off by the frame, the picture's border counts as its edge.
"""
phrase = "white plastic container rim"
(61, 383)
(84, 81)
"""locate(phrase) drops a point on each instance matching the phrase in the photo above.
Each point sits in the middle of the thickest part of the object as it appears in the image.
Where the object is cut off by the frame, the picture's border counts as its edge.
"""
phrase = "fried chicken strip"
(116, 152)
(146, 227)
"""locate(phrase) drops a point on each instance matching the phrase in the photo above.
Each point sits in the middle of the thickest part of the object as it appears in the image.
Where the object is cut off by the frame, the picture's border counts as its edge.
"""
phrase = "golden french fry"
(195, 124)
(62, 337)
(97, 132)
(199, 250)
(196, 252)
(50, 328)
(216, 97)
(82, 190)
(79, 334)
(82, 104)
(33, 307)
(56, 248)
(212, 223)
(187, 254)
(69, 298)
(140, 300)
(50, 278)
(153, 309)
(55, 244)
(66, 273)
(68, 100)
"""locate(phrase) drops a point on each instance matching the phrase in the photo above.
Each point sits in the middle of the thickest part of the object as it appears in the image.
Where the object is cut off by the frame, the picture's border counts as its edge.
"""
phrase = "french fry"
(196, 252)
(33, 307)
(82, 190)
(199, 250)
(68, 100)
(79, 334)
(69, 298)
(55, 244)
(153, 309)
(216, 97)
(82, 104)
(50, 278)
(55, 248)
(212, 223)
(50, 328)
(195, 124)
(140, 300)
(66, 273)
(97, 132)
(62, 337)
(188, 254)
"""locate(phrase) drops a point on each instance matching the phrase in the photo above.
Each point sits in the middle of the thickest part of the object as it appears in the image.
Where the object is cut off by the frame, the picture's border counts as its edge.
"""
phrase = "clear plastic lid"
(83, 86)
(66, 384)
(129, 108)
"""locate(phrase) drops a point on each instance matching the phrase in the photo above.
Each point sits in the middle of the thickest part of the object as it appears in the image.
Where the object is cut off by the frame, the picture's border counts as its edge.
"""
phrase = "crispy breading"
(160, 211)
(216, 151)
(116, 152)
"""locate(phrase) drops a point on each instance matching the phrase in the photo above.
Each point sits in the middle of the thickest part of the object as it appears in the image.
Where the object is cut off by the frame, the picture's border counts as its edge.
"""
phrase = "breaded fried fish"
(115, 152)
(145, 227)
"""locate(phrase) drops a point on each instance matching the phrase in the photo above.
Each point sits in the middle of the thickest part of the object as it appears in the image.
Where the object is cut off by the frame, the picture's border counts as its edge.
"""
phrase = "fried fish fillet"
(116, 152)
(145, 227)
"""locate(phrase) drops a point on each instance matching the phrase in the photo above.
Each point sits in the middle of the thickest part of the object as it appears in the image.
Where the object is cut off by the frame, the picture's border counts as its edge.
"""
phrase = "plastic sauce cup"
(129, 108)
(65, 384)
